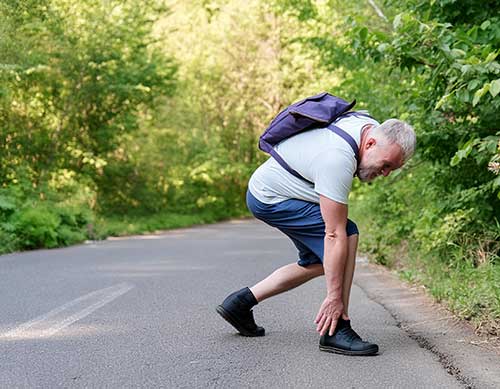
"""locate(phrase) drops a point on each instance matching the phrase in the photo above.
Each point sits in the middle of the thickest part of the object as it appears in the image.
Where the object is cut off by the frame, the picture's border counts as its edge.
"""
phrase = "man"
(314, 216)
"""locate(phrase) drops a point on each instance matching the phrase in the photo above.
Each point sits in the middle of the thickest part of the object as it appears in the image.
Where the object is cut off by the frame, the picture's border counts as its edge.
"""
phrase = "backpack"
(313, 112)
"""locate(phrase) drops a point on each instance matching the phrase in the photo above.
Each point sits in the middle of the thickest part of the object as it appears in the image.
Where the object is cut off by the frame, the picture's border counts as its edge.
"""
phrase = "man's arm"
(334, 259)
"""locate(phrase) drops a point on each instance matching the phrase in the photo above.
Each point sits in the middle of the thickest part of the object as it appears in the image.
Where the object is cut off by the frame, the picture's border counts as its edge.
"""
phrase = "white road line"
(65, 315)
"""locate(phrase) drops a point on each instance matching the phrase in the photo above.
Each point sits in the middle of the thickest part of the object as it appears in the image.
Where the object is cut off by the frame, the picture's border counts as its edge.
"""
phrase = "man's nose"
(386, 172)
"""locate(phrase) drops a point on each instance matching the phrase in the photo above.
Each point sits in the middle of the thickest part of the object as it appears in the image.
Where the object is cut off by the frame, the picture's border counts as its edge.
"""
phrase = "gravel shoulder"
(473, 360)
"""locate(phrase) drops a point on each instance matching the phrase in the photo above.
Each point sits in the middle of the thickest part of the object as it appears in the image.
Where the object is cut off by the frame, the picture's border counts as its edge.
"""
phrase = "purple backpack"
(313, 112)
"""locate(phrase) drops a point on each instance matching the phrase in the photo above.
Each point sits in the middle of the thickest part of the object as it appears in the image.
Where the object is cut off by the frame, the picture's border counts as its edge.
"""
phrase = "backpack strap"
(356, 114)
(287, 167)
(348, 138)
(332, 127)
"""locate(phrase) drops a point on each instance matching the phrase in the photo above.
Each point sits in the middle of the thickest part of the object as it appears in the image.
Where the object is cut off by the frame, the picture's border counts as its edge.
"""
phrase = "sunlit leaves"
(495, 87)
(463, 152)
(75, 77)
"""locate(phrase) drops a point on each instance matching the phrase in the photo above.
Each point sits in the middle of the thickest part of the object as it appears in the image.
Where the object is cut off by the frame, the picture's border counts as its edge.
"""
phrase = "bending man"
(314, 216)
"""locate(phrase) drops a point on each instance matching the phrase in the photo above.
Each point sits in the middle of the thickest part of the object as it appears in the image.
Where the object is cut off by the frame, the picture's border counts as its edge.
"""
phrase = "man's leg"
(350, 265)
(285, 278)
(293, 275)
(282, 280)
(345, 340)
(237, 307)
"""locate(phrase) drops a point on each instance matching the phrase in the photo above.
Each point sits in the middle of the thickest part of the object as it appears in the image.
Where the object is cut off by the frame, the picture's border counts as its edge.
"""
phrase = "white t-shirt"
(319, 155)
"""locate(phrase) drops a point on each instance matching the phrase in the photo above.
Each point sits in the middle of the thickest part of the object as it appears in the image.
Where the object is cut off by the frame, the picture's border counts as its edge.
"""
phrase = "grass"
(469, 289)
(100, 227)
(141, 224)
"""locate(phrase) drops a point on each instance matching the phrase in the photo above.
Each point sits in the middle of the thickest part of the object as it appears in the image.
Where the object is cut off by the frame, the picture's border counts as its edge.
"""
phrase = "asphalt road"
(140, 312)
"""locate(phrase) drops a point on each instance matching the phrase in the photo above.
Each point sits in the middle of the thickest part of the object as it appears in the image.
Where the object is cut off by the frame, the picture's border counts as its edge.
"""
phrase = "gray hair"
(399, 132)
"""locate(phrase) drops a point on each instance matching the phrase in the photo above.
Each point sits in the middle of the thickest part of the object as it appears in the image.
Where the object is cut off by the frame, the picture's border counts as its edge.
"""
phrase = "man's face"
(379, 158)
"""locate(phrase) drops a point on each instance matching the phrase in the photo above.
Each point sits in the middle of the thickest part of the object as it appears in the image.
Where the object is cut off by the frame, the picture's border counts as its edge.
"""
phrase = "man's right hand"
(329, 314)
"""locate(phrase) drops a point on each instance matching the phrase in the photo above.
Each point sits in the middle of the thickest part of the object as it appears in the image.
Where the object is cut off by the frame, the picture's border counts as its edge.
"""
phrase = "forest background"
(130, 116)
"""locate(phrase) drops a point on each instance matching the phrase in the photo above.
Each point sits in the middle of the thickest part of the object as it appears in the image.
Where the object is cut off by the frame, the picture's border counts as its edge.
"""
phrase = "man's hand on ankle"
(329, 314)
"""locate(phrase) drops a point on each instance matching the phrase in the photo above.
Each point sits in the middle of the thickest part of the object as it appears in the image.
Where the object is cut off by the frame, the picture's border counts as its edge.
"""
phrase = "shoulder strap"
(287, 167)
(337, 130)
(357, 114)
(348, 138)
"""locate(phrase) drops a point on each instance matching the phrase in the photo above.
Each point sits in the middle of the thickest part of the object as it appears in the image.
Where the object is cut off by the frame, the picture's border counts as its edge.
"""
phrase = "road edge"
(466, 356)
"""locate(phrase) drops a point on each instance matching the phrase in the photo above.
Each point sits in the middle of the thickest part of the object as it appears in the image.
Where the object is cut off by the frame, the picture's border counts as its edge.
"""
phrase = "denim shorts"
(301, 221)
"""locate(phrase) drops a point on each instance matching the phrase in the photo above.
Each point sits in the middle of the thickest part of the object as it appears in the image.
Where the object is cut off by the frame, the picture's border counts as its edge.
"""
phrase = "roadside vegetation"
(122, 117)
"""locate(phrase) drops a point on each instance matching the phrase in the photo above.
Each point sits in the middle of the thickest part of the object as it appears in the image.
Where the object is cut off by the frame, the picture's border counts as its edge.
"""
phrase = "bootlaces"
(349, 334)
(248, 317)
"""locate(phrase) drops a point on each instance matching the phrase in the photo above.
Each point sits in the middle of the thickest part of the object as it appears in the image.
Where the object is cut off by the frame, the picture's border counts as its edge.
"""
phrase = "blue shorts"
(301, 221)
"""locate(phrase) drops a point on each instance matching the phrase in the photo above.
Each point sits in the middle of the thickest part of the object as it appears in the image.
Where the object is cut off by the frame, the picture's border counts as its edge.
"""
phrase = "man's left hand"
(329, 314)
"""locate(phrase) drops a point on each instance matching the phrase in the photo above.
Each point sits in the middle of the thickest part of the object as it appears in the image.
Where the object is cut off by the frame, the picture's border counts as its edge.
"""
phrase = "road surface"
(140, 312)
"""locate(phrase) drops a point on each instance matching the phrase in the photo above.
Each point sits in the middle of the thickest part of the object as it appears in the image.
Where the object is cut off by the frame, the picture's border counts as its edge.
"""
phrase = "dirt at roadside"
(473, 358)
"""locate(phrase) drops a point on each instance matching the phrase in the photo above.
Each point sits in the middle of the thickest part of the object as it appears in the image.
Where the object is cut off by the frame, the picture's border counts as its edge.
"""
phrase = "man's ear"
(371, 142)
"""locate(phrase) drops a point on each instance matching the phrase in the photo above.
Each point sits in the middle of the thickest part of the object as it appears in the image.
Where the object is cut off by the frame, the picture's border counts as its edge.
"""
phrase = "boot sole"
(234, 322)
(331, 349)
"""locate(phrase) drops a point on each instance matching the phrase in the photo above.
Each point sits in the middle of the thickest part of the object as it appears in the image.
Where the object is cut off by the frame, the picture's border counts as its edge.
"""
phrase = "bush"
(36, 226)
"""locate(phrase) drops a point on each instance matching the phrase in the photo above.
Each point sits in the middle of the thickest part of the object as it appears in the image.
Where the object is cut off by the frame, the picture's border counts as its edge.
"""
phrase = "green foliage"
(133, 224)
(29, 224)
(449, 249)
(36, 227)
(302, 9)
(449, 51)
(196, 153)
(75, 77)
(453, 68)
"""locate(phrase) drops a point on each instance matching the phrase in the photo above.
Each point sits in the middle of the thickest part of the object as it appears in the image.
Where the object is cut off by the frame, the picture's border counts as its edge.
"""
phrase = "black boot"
(236, 309)
(346, 341)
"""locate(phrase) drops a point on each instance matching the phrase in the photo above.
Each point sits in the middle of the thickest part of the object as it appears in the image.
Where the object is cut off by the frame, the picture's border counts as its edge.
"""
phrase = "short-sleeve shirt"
(320, 156)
